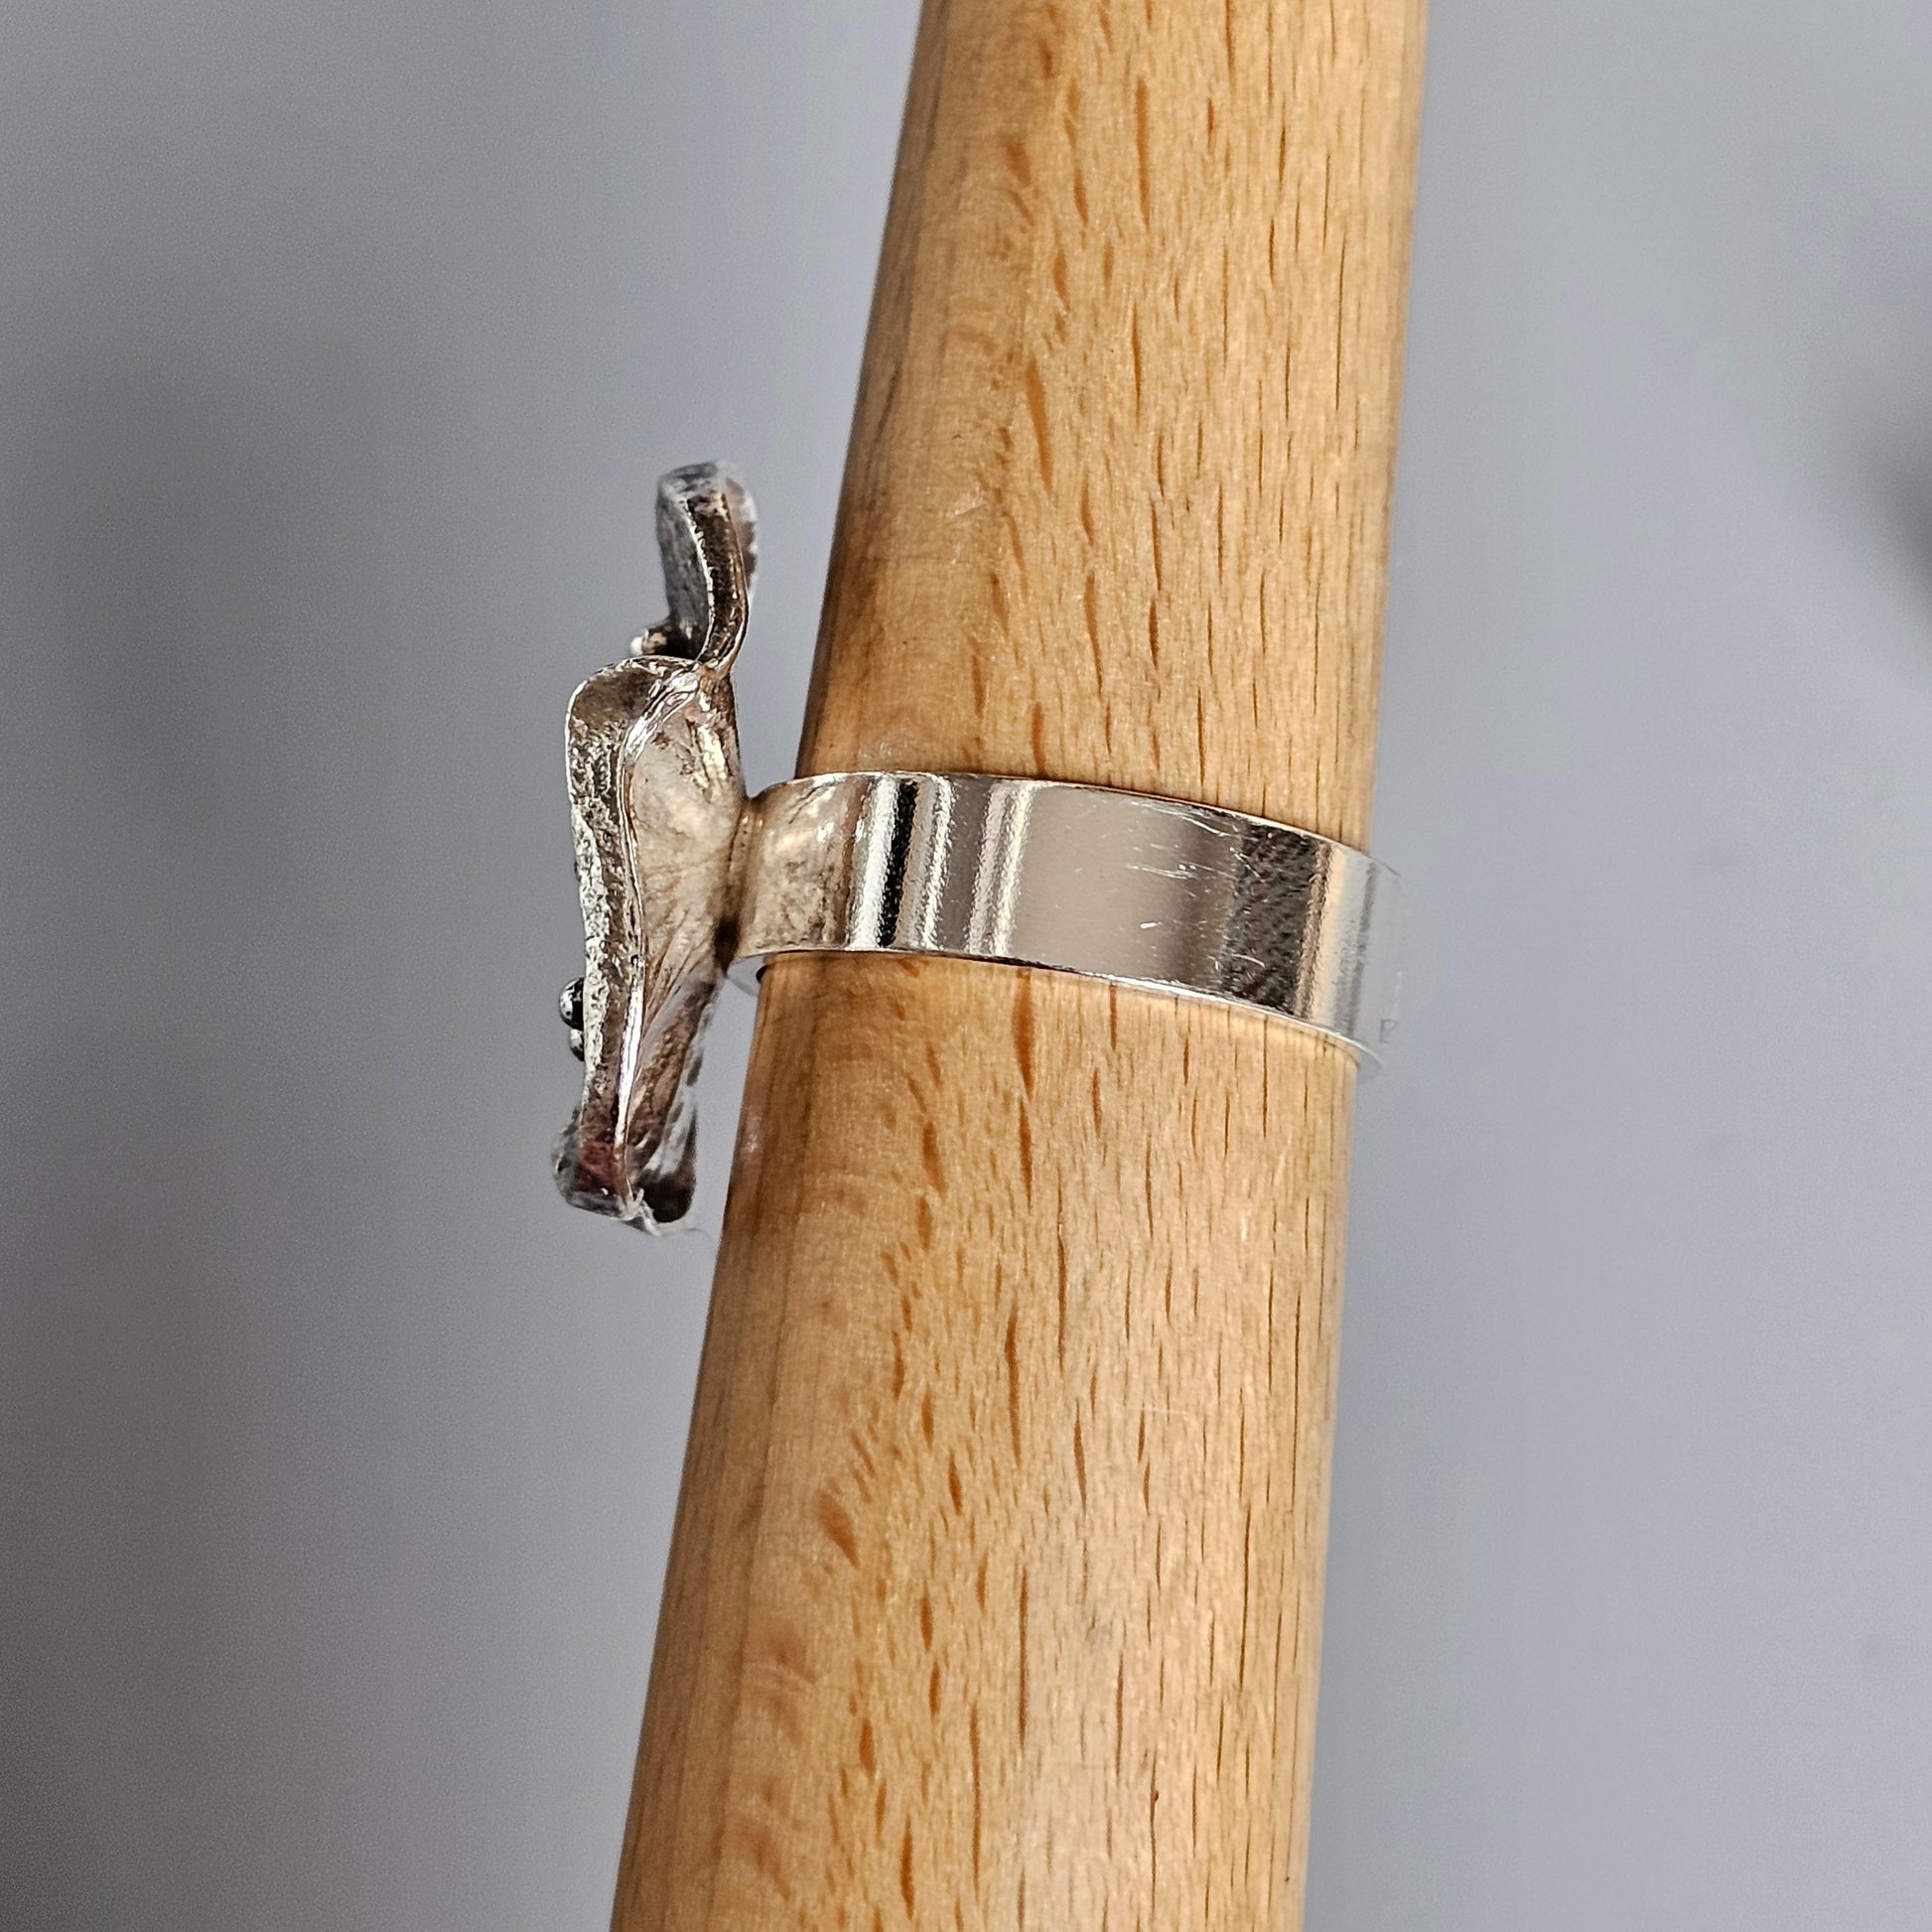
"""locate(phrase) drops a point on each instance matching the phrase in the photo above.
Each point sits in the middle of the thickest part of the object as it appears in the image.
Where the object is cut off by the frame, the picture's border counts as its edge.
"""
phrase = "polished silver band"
(1115, 884)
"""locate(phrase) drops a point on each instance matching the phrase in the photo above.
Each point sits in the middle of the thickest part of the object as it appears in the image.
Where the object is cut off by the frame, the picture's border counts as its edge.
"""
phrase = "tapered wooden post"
(995, 1590)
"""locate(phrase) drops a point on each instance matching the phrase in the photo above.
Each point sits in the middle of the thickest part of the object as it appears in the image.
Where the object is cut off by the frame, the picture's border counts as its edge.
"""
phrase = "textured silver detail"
(679, 874)
(651, 751)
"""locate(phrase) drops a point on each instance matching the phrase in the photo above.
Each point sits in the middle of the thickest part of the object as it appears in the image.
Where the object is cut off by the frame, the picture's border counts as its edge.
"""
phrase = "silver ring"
(677, 873)
(1078, 879)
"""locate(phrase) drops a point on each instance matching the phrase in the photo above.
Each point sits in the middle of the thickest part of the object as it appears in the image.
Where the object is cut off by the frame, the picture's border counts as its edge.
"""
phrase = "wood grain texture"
(995, 1590)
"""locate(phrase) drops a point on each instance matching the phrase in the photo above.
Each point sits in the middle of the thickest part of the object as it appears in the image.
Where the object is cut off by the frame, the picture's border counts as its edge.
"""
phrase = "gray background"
(339, 348)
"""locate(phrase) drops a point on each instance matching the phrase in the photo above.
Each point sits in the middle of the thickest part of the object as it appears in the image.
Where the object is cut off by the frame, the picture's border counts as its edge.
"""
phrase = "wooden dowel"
(995, 1588)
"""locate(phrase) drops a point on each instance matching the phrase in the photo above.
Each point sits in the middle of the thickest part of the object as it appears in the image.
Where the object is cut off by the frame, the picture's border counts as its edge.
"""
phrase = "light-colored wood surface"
(995, 1590)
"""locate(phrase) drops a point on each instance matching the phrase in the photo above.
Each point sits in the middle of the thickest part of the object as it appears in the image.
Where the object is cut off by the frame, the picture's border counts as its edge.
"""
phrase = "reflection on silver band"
(1115, 884)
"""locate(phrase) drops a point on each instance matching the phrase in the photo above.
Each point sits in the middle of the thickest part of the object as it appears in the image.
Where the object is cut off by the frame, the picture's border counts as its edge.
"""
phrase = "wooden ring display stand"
(995, 1590)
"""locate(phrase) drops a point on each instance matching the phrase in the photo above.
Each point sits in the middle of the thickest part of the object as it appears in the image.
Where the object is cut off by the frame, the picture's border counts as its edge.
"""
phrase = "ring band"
(1079, 879)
